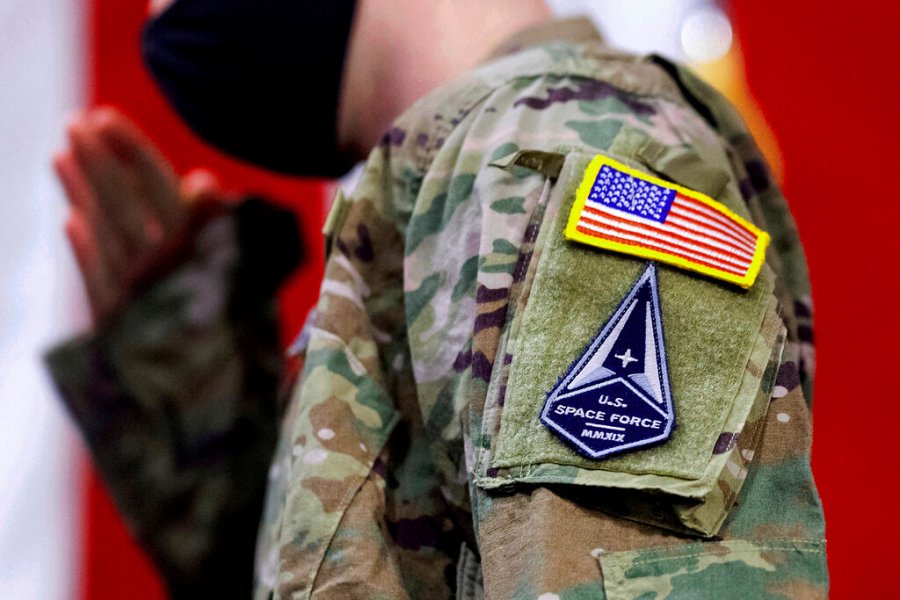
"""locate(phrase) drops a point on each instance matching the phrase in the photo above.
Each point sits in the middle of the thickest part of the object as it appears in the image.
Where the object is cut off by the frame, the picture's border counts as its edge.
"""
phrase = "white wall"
(40, 80)
(668, 27)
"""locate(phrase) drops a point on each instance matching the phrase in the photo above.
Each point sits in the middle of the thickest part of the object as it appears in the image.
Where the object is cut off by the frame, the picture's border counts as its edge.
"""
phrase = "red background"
(824, 76)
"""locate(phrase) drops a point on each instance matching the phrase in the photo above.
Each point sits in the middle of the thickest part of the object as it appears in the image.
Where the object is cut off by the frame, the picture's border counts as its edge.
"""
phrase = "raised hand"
(127, 205)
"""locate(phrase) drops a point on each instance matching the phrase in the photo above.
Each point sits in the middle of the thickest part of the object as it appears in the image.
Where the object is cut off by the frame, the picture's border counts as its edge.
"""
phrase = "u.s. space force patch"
(621, 209)
(616, 396)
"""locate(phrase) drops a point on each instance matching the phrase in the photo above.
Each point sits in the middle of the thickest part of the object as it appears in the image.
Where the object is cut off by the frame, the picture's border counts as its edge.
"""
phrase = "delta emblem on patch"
(616, 396)
(624, 210)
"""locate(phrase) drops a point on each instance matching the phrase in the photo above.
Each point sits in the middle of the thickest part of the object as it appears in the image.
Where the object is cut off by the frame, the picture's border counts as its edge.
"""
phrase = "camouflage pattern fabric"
(385, 483)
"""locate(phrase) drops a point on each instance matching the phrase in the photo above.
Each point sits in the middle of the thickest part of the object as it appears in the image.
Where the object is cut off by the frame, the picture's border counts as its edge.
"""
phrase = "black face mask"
(259, 79)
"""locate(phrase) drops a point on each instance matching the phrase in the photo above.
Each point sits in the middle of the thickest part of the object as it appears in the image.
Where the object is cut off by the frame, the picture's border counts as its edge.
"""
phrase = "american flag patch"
(621, 209)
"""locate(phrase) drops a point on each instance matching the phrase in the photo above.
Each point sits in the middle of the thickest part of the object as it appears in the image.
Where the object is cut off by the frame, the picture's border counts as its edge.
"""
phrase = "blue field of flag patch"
(638, 197)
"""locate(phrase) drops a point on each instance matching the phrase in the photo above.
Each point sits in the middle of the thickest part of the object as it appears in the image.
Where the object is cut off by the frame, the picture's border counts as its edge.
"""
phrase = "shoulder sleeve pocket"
(723, 346)
(735, 569)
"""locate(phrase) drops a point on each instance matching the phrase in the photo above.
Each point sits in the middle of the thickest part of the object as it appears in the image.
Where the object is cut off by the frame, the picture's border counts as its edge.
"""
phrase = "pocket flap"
(728, 569)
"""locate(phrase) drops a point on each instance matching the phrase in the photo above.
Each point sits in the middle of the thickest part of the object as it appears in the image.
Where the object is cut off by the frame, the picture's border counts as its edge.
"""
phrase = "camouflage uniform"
(410, 462)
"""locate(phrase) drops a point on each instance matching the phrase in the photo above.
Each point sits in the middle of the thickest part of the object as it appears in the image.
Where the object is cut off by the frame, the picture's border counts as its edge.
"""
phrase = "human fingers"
(200, 185)
(116, 214)
(72, 179)
(83, 198)
(99, 284)
(154, 177)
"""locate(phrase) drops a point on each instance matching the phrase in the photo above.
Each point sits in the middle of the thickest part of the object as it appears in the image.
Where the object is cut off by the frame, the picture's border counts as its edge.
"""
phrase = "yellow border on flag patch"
(584, 189)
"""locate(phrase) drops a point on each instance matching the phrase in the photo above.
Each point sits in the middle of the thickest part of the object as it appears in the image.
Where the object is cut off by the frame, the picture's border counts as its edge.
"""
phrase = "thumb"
(200, 185)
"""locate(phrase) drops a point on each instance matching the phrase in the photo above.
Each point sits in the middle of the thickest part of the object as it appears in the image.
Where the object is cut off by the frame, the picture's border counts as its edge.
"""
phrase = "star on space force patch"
(624, 210)
(616, 396)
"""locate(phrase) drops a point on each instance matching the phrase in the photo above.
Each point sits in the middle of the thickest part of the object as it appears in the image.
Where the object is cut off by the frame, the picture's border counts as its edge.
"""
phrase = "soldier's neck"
(402, 49)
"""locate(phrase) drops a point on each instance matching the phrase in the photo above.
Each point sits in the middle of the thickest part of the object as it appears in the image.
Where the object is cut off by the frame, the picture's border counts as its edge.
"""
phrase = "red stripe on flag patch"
(682, 235)
(632, 241)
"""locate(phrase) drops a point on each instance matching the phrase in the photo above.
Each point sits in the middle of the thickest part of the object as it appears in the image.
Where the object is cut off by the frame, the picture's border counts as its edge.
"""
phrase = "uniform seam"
(784, 545)
(353, 490)
(577, 74)
(514, 297)
(346, 501)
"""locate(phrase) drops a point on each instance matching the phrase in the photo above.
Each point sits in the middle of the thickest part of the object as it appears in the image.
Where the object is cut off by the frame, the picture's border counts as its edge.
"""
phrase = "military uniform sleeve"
(176, 399)
(416, 460)
(523, 311)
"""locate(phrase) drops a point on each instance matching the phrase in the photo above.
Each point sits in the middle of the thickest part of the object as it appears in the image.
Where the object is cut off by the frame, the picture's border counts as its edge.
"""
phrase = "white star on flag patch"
(624, 210)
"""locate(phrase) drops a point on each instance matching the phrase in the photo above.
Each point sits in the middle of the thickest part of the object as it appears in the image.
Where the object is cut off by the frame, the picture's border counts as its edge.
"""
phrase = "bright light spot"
(314, 457)
(783, 417)
(706, 35)
(734, 468)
